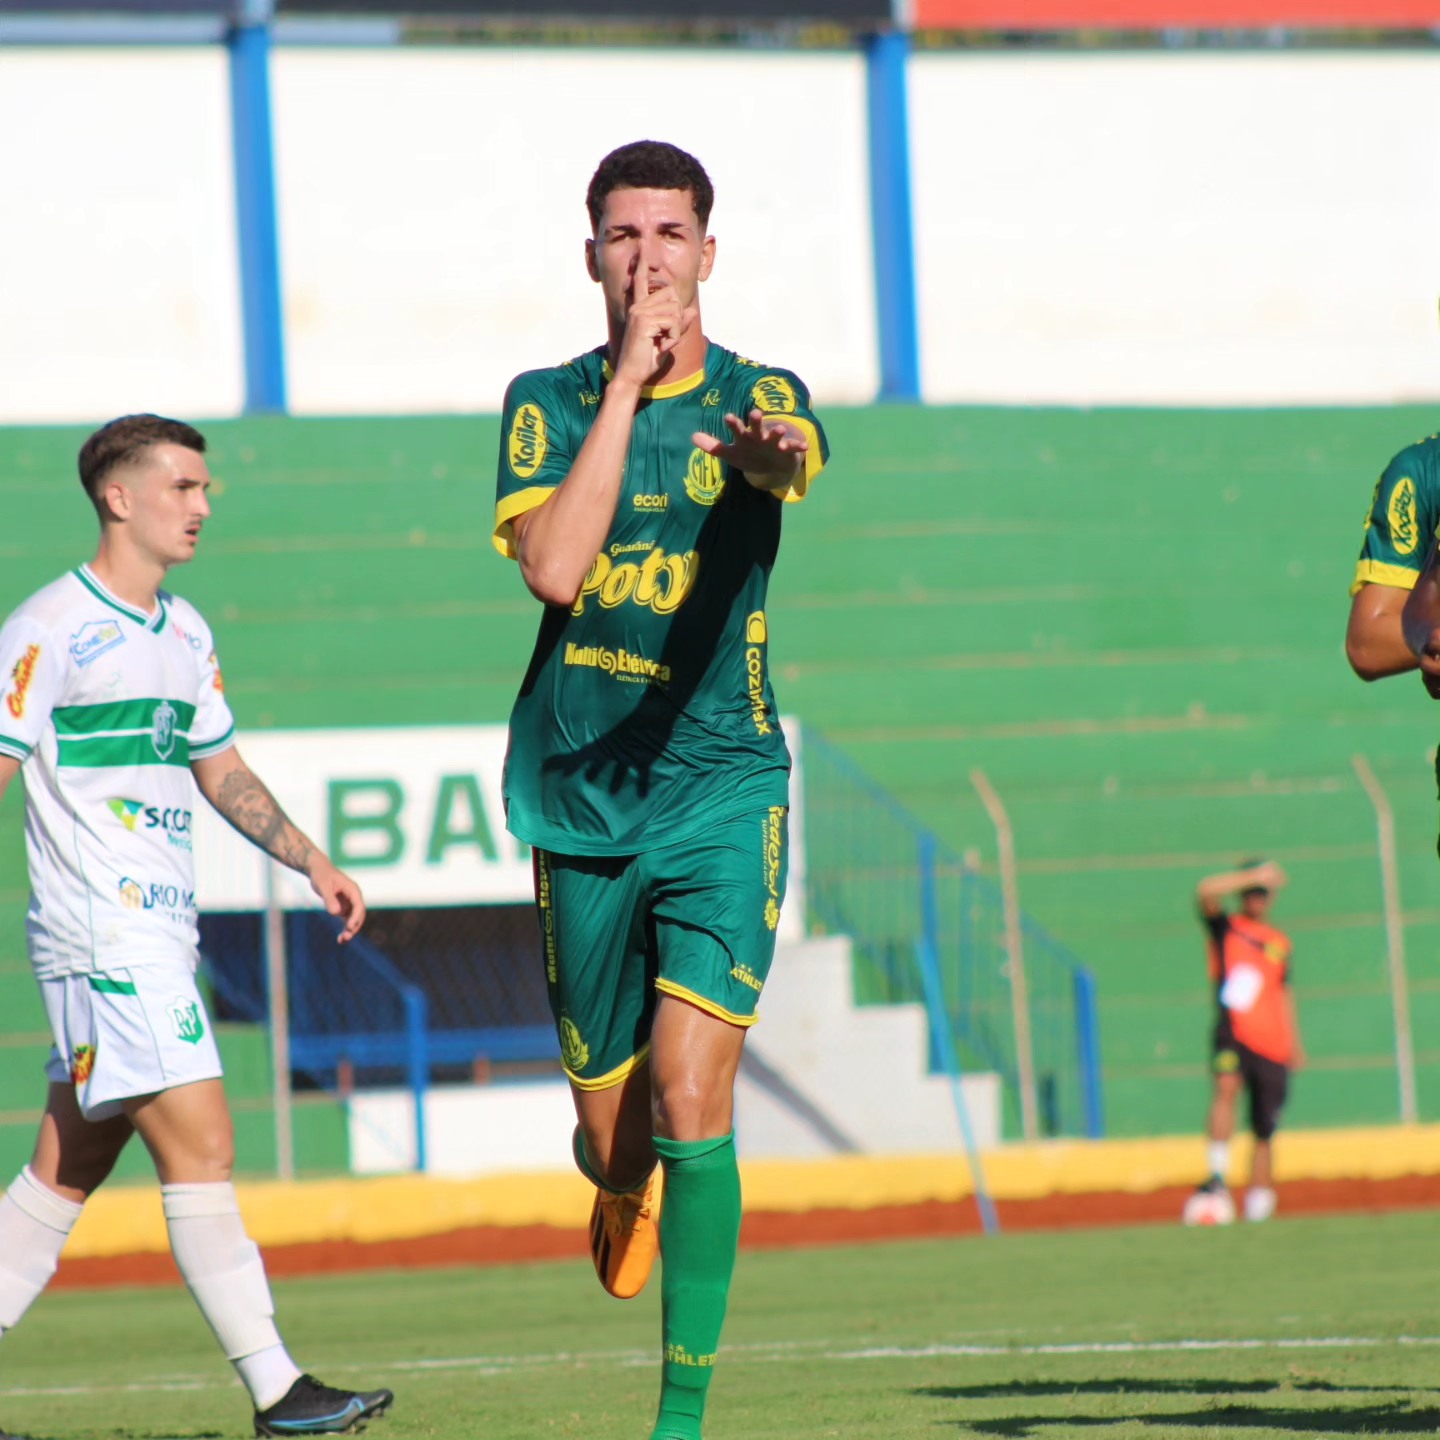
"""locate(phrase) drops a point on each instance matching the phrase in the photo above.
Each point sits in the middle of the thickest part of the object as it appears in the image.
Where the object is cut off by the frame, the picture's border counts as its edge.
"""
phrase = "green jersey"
(1403, 517)
(646, 715)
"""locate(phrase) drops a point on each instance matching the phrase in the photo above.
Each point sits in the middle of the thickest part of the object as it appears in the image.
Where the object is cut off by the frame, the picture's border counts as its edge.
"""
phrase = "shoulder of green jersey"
(1407, 501)
(771, 389)
(571, 379)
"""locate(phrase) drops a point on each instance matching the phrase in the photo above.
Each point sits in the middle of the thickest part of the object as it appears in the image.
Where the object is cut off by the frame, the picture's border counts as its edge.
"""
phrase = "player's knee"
(199, 1160)
(1263, 1124)
(692, 1110)
(217, 1159)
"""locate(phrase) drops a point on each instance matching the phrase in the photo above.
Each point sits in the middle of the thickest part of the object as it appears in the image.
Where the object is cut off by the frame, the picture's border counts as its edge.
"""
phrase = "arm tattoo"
(245, 802)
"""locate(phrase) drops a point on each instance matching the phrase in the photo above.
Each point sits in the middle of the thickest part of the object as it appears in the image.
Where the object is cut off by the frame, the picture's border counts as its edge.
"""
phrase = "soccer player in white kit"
(112, 703)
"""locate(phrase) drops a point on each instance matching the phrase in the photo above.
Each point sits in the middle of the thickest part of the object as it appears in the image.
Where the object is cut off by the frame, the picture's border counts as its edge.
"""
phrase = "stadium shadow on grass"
(129, 1433)
(1135, 1385)
(1395, 1418)
(1129, 1385)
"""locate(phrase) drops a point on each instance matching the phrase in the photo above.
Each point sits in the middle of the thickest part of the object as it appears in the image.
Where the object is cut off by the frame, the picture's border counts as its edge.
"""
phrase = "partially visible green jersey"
(646, 714)
(1404, 514)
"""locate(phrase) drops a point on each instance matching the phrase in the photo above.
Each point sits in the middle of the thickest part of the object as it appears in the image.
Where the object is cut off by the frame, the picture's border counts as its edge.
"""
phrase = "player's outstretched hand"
(341, 895)
(653, 328)
(764, 446)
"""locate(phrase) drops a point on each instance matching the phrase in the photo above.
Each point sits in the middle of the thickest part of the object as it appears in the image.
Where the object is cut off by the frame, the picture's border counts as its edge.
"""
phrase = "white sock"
(1219, 1153)
(35, 1222)
(268, 1373)
(1259, 1203)
(222, 1266)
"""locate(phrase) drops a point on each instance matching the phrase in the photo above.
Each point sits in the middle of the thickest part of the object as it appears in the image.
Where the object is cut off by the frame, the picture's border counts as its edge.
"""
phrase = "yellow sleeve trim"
(612, 1078)
(669, 987)
(1377, 572)
(512, 506)
(814, 460)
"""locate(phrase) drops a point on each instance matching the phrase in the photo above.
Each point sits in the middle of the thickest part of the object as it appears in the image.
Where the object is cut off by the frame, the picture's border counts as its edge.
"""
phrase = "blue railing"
(929, 928)
(354, 1014)
(373, 1016)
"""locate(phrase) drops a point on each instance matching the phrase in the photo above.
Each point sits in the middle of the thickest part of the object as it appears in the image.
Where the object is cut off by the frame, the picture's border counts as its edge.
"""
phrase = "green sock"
(699, 1231)
(582, 1162)
(583, 1165)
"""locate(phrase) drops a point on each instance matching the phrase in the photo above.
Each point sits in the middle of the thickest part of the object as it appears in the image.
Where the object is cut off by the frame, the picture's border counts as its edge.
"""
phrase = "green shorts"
(694, 920)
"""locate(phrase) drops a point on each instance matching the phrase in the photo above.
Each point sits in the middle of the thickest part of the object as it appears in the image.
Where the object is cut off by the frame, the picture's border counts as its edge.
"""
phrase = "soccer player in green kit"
(1399, 529)
(640, 488)
(1394, 623)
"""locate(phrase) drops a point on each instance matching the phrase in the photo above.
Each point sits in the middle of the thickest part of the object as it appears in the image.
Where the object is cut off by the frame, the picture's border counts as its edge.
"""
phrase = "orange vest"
(1250, 965)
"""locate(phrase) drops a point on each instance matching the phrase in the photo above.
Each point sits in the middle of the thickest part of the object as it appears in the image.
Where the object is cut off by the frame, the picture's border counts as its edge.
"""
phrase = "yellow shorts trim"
(669, 987)
(508, 510)
(612, 1078)
(1377, 572)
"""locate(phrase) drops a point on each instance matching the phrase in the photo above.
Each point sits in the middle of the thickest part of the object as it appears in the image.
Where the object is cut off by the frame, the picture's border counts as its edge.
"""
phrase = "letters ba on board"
(414, 813)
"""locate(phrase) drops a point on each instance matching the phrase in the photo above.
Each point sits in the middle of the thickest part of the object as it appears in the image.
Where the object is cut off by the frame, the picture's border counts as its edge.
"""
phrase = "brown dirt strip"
(509, 1245)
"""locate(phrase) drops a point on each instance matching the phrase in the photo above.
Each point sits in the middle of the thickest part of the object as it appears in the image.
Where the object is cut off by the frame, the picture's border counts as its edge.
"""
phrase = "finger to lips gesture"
(653, 328)
(762, 445)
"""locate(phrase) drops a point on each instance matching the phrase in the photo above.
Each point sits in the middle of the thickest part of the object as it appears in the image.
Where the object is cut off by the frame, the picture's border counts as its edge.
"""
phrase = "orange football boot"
(625, 1237)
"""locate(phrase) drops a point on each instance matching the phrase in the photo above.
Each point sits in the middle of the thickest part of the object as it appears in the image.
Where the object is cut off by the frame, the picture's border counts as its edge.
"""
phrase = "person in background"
(1257, 1040)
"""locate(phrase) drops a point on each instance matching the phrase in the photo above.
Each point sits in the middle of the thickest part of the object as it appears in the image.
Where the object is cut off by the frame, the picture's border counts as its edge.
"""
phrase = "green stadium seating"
(1130, 619)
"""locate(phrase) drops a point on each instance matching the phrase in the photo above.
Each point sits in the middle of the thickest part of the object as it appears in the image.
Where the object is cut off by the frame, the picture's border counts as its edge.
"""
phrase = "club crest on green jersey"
(574, 1052)
(704, 478)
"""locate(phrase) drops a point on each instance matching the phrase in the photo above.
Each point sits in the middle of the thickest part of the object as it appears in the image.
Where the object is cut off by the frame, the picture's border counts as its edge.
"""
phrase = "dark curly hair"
(650, 165)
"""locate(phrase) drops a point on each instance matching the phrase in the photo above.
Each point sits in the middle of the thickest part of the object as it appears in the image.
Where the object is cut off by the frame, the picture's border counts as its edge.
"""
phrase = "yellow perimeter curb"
(128, 1220)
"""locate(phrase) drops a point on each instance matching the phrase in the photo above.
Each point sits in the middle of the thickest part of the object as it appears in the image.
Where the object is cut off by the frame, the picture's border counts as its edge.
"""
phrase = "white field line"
(769, 1353)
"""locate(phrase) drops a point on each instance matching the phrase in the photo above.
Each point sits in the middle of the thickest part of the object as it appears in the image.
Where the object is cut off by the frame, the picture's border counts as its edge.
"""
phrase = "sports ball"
(1207, 1207)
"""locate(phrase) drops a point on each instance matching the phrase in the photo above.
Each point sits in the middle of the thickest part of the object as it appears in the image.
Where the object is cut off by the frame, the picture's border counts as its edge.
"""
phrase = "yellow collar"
(664, 392)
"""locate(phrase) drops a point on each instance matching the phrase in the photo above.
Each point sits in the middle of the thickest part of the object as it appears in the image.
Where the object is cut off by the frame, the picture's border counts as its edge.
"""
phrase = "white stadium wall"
(433, 217)
(119, 285)
(1145, 228)
(1177, 228)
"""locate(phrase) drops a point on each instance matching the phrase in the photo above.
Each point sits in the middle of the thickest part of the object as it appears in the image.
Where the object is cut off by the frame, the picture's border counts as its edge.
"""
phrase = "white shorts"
(128, 1032)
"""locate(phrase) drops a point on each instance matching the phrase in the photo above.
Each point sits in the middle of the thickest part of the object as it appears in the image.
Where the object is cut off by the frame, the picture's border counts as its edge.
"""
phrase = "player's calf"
(624, 1228)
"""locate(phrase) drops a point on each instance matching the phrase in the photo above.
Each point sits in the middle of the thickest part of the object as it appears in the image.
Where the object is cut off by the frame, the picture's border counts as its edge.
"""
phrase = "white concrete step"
(823, 1075)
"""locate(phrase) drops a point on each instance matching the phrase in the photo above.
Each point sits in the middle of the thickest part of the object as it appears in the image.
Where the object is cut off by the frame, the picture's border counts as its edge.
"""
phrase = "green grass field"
(1302, 1327)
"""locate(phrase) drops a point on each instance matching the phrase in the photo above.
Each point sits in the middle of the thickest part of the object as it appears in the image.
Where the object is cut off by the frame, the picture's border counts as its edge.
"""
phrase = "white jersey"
(106, 707)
